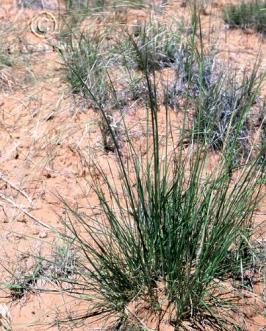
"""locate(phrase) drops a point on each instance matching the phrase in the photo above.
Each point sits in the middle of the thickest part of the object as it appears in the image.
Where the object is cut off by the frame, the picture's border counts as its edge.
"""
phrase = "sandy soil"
(44, 132)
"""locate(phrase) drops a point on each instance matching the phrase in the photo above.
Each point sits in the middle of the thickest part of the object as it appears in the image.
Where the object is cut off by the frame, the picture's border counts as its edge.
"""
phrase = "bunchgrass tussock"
(221, 98)
(86, 70)
(191, 71)
(166, 223)
(152, 45)
(223, 108)
(164, 231)
(246, 14)
(83, 61)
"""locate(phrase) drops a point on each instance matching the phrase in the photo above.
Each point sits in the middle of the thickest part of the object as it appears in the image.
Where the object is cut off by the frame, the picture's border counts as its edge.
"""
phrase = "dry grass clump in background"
(90, 59)
(156, 43)
(224, 108)
(84, 56)
(101, 5)
(78, 11)
(6, 62)
(31, 277)
(247, 14)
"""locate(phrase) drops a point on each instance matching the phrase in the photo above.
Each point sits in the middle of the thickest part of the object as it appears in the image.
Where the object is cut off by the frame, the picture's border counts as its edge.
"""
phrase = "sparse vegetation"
(100, 5)
(247, 14)
(5, 60)
(6, 80)
(24, 279)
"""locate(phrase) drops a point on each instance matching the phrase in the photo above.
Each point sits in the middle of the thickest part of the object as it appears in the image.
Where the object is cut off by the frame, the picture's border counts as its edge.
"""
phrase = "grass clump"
(251, 14)
(5, 60)
(84, 64)
(88, 57)
(164, 232)
(151, 46)
(221, 97)
(223, 109)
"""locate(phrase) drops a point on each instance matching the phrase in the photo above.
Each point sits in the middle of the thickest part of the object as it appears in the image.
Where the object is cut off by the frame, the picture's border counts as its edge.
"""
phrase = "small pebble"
(43, 235)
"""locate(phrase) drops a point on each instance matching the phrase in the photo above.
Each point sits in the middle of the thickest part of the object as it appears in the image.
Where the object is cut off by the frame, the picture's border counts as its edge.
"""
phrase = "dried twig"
(15, 188)
(23, 209)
